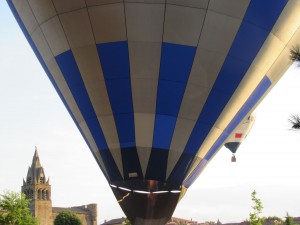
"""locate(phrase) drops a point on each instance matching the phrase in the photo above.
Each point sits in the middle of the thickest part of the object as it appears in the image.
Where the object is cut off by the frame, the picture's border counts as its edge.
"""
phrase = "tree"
(67, 218)
(295, 121)
(255, 219)
(273, 220)
(289, 220)
(14, 210)
(295, 55)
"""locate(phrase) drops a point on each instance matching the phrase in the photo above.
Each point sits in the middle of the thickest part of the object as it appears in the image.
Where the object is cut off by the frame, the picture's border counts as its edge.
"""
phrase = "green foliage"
(67, 218)
(289, 220)
(14, 210)
(255, 218)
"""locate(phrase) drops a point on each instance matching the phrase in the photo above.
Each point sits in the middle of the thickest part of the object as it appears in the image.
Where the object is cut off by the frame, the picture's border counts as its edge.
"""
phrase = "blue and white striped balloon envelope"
(156, 86)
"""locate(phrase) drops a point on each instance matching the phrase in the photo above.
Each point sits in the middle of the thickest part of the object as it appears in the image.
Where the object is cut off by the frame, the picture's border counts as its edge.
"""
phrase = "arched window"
(42, 180)
(39, 194)
(31, 194)
(43, 194)
(28, 180)
(46, 195)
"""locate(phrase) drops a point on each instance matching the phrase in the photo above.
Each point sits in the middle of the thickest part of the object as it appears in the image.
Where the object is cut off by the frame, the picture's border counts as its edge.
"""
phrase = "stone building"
(176, 221)
(117, 221)
(37, 188)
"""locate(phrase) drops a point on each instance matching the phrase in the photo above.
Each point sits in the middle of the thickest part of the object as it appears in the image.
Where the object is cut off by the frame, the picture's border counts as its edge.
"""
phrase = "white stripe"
(43, 10)
(146, 1)
(144, 126)
(183, 25)
(55, 36)
(80, 36)
(202, 4)
(101, 2)
(232, 8)
(144, 22)
(144, 30)
(108, 22)
(26, 15)
(289, 35)
(67, 6)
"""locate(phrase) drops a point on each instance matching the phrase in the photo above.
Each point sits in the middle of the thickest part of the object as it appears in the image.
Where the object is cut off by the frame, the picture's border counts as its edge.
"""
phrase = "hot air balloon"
(239, 134)
(156, 86)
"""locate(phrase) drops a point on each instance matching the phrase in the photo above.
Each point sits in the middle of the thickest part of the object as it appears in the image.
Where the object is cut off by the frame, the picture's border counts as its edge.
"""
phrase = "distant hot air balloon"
(235, 139)
(156, 86)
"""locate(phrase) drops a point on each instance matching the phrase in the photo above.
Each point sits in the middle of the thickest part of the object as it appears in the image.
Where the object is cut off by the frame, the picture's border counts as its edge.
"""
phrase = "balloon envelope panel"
(156, 86)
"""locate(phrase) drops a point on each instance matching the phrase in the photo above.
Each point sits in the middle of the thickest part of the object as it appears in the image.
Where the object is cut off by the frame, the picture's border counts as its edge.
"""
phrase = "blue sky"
(33, 115)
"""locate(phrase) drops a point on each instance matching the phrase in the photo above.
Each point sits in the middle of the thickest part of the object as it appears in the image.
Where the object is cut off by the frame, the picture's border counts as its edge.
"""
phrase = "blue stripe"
(194, 175)
(163, 131)
(114, 59)
(43, 64)
(177, 176)
(126, 132)
(71, 73)
(175, 68)
(157, 165)
(176, 64)
(244, 49)
(115, 65)
(264, 13)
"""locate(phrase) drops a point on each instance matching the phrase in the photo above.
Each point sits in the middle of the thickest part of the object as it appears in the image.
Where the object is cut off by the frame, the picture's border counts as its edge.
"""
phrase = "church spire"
(36, 174)
(36, 160)
(38, 190)
(36, 180)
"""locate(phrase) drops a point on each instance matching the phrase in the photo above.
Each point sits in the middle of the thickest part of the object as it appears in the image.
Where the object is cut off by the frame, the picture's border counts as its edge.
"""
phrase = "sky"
(31, 114)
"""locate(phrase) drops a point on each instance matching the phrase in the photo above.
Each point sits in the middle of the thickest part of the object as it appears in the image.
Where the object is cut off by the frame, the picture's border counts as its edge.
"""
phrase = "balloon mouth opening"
(145, 186)
(174, 191)
(146, 201)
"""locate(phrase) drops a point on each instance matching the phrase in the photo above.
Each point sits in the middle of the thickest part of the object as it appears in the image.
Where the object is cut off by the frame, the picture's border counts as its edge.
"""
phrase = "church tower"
(36, 188)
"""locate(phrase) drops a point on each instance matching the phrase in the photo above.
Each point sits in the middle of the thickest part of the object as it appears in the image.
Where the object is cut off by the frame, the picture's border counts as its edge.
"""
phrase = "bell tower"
(38, 189)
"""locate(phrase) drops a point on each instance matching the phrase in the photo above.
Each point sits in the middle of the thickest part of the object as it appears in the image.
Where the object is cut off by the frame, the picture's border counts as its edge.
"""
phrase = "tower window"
(39, 194)
(43, 194)
(42, 180)
(29, 194)
(28, 180)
